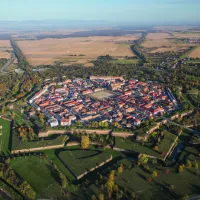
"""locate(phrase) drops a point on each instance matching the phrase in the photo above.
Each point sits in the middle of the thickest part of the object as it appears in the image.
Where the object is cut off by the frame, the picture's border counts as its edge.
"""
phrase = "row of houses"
(126, 104)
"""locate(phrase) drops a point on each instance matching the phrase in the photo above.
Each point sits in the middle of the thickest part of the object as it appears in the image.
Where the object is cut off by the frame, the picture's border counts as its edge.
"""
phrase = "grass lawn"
(52, 155)
(39, 174)
(166, 142)
(18, 144)
(5, 136)
(129, 144)
(79, 161)
(101, 95)
(134, 180)
(21, 118)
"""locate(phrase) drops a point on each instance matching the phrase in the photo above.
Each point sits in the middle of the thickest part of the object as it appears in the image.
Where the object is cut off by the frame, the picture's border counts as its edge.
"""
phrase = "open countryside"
(100, 101)
(79, 50)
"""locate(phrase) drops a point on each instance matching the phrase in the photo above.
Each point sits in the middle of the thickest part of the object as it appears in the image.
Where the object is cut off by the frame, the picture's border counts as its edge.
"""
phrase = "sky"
(138, 11)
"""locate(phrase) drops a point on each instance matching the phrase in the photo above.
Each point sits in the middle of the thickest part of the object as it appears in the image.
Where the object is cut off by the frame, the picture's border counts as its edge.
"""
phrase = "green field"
(21, 119)
(135, 180)
(127, 61)
(129, 144)
(5, 136)
(166, 142)
(39, 174)
(11, 68)
(79, 161)
(196, 61)
(18, 144)
(52, 155)
(194, 98)
(101, 95)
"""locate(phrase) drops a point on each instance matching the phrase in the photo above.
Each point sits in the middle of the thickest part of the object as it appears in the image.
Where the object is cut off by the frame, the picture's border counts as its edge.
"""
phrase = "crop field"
(4, 47)
(164, 42)
(75, 50)
(100, 95)
(195, 53)
(35, 34)
(174, 28)
(168, 49)
(81, 161)
(157, 40)
(186, 34)
(39, 173)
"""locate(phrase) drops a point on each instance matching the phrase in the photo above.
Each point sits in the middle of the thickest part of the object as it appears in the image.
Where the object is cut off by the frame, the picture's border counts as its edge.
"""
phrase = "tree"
(105, 124)
(186, 197)
(171, 187)
(110, 183)
(94, 197)
(85, 141)
(101, 197)
(63, 180)
(196, 166)
(115, 188)
(120, 168)
(149, 179)
(142, 159)
(3, 109)
(188, 164)
(41, 117)
(180, 169)
(155, 148)
(167, 171)
(154, 174)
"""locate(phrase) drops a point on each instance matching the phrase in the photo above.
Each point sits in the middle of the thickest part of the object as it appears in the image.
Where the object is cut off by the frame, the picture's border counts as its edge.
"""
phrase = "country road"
(9, 62)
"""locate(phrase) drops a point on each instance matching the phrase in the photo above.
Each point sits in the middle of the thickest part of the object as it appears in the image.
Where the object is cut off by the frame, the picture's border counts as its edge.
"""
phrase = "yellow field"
(173, 28)
(157, 40)
(47, 51)
(195, 53)
(168, 49)
(5, 43)
(4, 46)
(187, 35)
(5, 55)
(162, 43)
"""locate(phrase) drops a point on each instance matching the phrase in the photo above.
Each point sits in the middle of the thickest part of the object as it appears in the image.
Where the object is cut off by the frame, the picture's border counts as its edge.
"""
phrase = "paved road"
(9, 62)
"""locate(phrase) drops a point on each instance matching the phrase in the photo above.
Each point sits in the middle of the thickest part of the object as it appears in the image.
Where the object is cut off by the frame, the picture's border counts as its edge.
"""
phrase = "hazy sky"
(112, 10)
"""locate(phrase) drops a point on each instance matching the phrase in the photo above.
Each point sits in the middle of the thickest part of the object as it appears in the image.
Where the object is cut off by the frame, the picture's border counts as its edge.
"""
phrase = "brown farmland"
(195, 53)
(4, 47)
(75, 50)
(160, 42)
(157, 40)
(186, 35)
